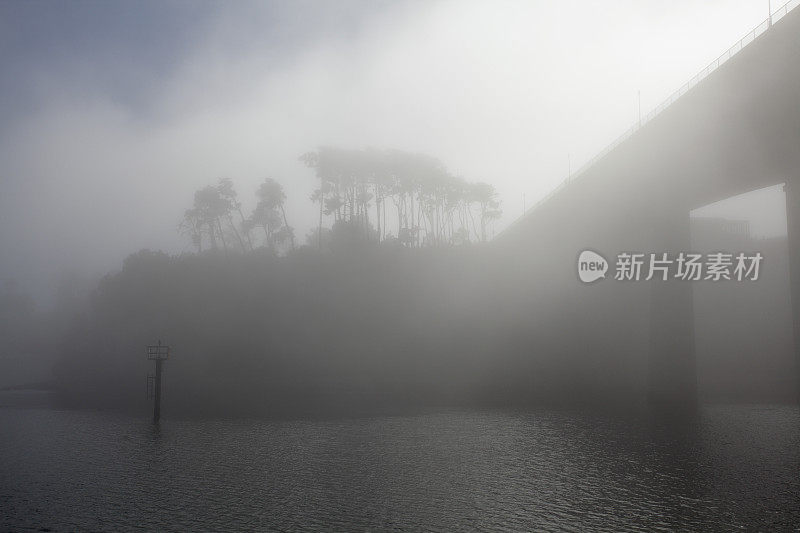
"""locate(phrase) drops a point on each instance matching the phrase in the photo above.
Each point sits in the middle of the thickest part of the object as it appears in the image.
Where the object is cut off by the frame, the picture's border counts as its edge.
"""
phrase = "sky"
(113, 113)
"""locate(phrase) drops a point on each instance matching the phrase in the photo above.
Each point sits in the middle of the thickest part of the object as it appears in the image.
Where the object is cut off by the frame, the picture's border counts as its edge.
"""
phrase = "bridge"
(733, 129)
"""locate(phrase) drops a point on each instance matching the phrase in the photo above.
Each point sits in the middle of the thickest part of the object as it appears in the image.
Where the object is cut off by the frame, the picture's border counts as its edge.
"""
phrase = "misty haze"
(399, 265)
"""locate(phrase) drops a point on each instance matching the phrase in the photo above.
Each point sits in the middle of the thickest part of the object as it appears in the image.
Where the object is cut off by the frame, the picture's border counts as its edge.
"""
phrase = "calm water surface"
(733, 468)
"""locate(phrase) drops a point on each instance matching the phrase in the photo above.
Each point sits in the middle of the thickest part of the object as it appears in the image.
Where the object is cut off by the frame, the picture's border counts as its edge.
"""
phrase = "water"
(735, 467)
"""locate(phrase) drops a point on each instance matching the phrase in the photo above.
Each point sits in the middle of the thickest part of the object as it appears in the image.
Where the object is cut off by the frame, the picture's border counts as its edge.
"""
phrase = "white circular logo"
(591, 266)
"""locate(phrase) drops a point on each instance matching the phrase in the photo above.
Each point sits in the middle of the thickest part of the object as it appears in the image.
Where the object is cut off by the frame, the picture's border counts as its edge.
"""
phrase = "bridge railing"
(714, 65)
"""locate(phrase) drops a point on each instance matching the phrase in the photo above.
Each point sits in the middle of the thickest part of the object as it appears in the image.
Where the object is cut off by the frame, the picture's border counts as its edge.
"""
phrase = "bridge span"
(734, 131)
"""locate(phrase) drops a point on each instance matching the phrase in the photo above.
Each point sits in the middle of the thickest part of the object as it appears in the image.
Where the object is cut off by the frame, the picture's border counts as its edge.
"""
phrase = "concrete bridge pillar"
(792, 190)
(672, 364)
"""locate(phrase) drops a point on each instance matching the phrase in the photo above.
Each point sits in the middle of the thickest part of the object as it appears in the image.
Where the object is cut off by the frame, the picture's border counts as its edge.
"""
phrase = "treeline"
(307, 333)
(379, 329)
(430, 205)
(380, 309)
(217, 212)
(367, 195)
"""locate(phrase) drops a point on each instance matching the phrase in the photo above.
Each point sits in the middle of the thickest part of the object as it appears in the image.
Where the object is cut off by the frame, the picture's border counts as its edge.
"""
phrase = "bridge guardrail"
(751, 36)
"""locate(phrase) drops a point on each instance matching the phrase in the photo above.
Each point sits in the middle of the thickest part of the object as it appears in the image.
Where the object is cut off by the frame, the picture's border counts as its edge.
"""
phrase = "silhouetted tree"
(271, 196)
(486, 197)
(228, 194)
(270, 213)
(192, 226)
(210, 208)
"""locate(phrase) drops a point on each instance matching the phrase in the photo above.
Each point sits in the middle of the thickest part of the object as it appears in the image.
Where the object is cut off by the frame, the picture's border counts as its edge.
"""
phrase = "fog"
(432, 265)
(113, 116)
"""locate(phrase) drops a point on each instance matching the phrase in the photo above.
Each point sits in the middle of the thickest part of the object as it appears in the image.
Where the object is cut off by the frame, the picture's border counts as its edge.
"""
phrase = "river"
(733, 467)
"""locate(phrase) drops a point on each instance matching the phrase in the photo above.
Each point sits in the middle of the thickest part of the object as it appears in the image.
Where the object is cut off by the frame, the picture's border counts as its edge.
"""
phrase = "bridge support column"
(792, 191)
(672, 364)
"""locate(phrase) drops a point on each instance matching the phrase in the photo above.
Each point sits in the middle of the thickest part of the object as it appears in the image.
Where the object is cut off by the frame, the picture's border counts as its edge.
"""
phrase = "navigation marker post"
(158, 353)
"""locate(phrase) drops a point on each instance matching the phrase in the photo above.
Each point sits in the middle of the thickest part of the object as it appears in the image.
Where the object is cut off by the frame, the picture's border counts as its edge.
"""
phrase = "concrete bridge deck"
(737, 130)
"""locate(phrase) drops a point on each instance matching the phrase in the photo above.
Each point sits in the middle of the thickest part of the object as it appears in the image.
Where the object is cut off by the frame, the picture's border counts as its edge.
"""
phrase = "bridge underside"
(736, 131)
